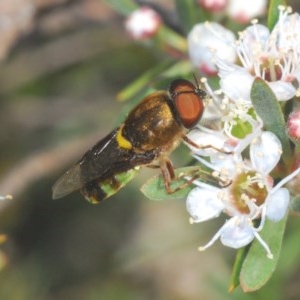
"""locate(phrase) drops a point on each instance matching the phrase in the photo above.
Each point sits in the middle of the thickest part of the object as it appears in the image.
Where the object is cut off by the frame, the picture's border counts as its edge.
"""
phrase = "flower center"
(247, 191)
(270, 70)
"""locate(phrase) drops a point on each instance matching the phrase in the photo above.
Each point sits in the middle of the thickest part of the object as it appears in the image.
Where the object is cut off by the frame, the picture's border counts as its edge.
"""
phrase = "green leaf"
(154, 188)
(273, 12)
(238, 263)
(180, 69)
(189, 14)
(257, 268)
(268, 109)
(124, 7)
(295, 204)
(143, 80)
(167, 38)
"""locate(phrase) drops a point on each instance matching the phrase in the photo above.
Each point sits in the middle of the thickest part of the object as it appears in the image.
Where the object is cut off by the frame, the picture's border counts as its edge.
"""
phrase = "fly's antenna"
(197, 82)
(199, 91)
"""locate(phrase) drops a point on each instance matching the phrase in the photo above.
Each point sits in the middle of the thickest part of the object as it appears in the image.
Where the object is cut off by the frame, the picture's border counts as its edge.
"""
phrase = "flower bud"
(293, 126)
(143, 23)
(213, 5)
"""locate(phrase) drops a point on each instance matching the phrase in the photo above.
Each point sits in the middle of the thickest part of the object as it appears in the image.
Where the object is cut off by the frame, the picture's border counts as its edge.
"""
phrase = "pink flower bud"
(213, 5)
(293, 126)
(143, 23)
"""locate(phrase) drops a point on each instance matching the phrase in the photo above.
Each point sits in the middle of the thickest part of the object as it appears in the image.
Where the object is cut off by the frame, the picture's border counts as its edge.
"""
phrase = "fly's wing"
(101, 162)
(68, 183)
(96, 163)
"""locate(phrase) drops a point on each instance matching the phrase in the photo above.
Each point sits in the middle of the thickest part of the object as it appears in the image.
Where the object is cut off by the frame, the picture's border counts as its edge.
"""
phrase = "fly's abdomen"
(99, 190)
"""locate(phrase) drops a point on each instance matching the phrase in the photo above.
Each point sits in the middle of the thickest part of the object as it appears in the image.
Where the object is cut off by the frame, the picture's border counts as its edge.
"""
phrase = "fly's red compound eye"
(188, 101)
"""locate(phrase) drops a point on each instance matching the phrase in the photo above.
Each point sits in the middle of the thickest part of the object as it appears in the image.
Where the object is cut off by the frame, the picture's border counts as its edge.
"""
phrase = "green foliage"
(189, 14)
(269, 110)
(257, 269)
(236, 270)
(124, 7)
(295, 204)
(273, 12)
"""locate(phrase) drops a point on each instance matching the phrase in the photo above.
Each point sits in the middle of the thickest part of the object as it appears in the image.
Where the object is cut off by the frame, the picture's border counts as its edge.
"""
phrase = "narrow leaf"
(189, 14)
(269, 110)
(181, 69)
(167, 38)
(124, 7)
(143, 80)
(235, 276)
(257, 267)
(273, 12)
(295, 204)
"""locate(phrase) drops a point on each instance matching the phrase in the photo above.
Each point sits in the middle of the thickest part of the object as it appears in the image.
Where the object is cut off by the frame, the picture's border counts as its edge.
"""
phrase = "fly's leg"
(168, 174)
(190, 142)
(169, 177)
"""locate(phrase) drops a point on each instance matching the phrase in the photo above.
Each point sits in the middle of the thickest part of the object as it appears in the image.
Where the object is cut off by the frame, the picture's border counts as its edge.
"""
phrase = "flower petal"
(237, 234)
(207, 38)
(277, 204)
(265, 152)
(283, 90)
(204, 139)
(236, 91)
(203, 204)
(253, 39)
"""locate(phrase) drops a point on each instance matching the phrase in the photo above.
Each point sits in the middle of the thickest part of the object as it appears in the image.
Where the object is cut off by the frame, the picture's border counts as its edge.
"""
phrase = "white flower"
(250, 195)
(235, 124)
(238, 10)
(273, 56)
(206, 38)
(143, 23)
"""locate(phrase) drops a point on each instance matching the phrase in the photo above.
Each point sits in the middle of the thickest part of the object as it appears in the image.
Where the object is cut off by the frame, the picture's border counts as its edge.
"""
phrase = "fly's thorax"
(152, 124)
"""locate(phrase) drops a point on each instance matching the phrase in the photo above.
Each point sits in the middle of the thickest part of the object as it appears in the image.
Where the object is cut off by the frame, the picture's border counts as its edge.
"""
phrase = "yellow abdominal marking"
(122, 142)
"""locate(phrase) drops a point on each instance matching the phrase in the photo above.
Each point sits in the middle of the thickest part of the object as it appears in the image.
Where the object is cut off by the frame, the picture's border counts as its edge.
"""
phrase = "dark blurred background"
(62, 64)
